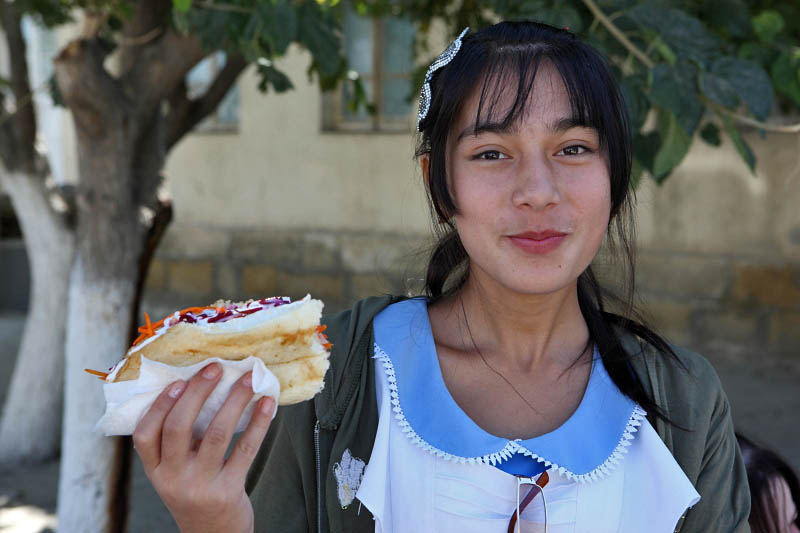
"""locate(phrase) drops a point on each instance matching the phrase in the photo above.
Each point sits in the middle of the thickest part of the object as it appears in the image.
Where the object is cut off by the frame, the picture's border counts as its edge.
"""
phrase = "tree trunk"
(110, 236)
(91, 470)
(120, 139)
(30, 428)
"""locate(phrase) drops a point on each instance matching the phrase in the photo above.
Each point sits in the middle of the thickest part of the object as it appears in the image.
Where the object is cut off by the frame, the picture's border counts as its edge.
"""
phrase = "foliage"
(260, 30)
(679, 62)
(683, 61)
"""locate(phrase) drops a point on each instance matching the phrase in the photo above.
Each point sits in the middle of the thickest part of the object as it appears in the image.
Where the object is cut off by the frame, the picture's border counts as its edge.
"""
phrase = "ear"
(425, 166)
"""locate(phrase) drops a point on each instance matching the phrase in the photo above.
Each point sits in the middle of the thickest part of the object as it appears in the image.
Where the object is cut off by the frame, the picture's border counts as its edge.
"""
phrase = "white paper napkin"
(128, 401)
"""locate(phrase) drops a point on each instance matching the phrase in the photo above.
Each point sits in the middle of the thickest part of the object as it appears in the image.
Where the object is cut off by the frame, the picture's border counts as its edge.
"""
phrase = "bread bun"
(285, 335)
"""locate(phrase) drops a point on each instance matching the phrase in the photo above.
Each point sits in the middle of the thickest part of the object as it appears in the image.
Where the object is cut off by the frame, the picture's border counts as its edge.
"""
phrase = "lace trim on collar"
(513, 446)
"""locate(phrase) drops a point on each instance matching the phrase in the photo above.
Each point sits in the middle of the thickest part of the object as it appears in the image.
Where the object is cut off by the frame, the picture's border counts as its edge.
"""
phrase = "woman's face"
(533, 200)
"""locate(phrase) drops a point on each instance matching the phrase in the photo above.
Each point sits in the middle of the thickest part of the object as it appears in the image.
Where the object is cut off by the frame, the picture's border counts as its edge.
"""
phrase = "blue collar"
(584, 448)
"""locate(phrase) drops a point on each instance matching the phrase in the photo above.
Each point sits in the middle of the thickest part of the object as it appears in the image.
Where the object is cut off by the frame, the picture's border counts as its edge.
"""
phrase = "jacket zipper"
(319, 478)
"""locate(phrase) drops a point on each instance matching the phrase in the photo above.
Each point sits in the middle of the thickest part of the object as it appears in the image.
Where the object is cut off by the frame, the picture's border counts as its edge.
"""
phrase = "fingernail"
(176, 389)
(211, 371)
(267, 404)
(247, 380)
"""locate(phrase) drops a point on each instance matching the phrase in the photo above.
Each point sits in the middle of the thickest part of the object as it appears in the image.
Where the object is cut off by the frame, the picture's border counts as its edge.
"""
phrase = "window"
(198, 80)
(380, 54)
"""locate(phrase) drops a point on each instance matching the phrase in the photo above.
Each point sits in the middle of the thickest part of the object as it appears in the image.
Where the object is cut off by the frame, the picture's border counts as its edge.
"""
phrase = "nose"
(535, 185)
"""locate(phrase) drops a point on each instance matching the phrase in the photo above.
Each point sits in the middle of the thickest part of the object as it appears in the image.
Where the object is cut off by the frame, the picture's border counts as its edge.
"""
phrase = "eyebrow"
(559, 126)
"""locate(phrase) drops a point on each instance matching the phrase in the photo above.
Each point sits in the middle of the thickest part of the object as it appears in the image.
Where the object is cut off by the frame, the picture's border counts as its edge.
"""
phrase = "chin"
(536, 283)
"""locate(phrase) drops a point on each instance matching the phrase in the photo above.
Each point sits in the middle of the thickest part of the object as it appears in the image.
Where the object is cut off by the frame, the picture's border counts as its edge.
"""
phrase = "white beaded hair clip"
(442, 60)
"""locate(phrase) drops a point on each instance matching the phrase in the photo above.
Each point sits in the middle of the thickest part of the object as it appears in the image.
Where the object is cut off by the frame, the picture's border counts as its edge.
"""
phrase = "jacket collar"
(351, 334)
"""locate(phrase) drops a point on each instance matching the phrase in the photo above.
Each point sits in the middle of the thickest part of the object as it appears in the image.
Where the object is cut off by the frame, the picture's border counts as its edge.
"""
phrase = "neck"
(522, 332)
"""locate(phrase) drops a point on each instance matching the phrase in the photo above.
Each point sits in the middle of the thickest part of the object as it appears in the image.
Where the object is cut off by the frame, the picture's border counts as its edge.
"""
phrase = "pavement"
(764, 393)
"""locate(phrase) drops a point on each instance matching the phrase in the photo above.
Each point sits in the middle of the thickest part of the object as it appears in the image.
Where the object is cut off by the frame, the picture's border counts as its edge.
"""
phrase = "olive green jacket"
(293, 487)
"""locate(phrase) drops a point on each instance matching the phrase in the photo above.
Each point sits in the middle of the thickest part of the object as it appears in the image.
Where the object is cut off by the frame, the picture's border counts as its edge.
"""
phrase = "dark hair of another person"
(764, 467)
(490, 63)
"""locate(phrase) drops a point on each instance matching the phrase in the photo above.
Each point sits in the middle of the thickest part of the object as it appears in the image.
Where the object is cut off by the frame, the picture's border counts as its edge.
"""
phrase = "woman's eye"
(575, 149)
(490, 155)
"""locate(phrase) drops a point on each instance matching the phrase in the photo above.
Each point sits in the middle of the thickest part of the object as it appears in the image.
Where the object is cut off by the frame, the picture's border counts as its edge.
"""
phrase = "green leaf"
(49, 12)
(719, 90)
(741, 145)
(561, 15)
(675, 89)
(272, 76)
(711, 134)
(768, 24)
(684, 34)
(316, 31)
(674, 147)
(278, 25)
(730, 16)
(636, 101)
(516, 10)
(645, 148)
(359, 98)
(762, 54)
(785, 73)
(665, 51)
(748, 80)
(182, 5)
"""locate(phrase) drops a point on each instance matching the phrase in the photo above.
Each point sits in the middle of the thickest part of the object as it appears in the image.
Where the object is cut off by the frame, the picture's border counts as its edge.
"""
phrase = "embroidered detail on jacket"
(513, 446)
(348, 474)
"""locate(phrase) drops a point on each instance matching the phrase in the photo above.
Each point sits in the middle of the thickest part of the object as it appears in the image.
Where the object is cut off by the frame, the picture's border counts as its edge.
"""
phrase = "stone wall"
(693, 299)
(699, 300)
(195, 267)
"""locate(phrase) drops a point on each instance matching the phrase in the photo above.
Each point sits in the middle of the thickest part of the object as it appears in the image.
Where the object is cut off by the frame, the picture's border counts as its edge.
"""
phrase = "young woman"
(774, 490)
(508, 398)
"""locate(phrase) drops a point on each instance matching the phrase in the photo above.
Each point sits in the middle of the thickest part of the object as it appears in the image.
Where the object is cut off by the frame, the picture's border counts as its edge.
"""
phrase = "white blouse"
(423, 477)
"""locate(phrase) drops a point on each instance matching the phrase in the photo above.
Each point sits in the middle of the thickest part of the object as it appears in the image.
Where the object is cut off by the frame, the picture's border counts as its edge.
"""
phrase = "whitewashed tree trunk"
(30, 428)
(110, 237)
(99, 317)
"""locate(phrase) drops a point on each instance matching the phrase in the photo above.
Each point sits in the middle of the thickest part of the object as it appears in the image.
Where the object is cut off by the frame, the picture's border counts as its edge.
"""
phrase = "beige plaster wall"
(280, 171)
(712, 204)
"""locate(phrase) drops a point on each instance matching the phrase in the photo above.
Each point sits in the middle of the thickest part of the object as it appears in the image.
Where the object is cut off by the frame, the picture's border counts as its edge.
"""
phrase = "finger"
(176, 437)
(250, 441)
(220, 431)
(147, 435)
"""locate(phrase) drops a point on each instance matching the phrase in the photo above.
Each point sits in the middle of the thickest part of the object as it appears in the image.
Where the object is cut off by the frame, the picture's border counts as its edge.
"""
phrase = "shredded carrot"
(322, 328)
(101, 375)
(150, 328)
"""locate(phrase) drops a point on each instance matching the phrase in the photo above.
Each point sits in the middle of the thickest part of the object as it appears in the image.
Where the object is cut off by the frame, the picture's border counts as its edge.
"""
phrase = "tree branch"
(87, 88)
(185, 114)
(743, 119)
(148, 22)
(159, 67)
(617, 33)
(24, 118)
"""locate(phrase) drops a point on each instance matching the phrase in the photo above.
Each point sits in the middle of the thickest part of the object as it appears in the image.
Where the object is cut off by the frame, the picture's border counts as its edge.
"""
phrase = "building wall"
(283, 207)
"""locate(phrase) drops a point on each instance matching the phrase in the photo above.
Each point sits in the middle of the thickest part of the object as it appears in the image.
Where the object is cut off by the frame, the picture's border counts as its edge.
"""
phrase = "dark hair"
(764, 467)
(489, 63)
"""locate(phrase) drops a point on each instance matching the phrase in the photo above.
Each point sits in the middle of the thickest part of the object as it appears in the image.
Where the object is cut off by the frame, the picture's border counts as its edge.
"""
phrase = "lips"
(538, 242)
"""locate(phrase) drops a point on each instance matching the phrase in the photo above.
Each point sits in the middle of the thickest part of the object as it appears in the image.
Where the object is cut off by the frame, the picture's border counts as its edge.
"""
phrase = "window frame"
(334, 117)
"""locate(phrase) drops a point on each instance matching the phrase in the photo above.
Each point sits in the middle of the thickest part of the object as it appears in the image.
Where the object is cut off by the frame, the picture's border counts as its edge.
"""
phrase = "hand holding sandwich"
(203, 491)
(250, 355)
